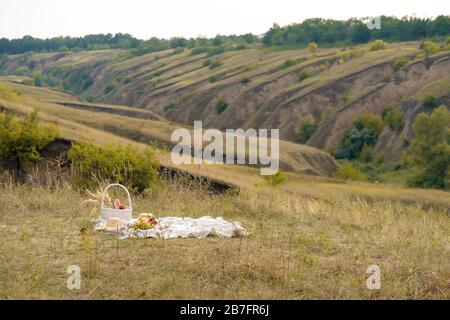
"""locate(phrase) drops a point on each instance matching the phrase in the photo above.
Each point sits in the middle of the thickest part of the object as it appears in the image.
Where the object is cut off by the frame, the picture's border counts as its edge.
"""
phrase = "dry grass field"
(299, 247)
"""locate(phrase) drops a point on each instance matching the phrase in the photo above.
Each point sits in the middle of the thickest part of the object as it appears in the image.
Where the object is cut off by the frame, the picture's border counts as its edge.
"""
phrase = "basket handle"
(116, 185)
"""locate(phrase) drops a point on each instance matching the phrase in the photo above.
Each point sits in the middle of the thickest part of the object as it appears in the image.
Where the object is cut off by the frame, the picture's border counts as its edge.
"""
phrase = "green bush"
(406, 143)
(377, 45)
(22, 71)
(305, 130)
(275, 179)
(393, 118)
(40, 79)
(109, 88)
(135, 168)
(400, 62)
(8, 93)
(240, 47)
(366, 154)
(21, 140)
(215, 64)
(168, 107)
(364, 131)
(429, 47)
(199, 50)
(37, 78)
(303, 75)
(429, 102)
(312, 46)
(429, 153)
(215, 51)
(178, 50)
(213, 79)
(347, 172)
(221, 105)
(289, 63)
(245, 80)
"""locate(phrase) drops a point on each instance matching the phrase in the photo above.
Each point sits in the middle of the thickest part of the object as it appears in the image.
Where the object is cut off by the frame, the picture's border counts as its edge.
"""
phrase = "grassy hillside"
(145, 126)
(92, 125)
(262, 87)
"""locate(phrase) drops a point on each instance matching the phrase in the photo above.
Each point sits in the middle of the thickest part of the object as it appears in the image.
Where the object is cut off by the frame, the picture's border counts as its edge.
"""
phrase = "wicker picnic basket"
(124, 214)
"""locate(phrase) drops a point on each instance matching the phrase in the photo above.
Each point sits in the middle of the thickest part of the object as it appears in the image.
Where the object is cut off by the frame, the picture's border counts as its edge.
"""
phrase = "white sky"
(187, 18)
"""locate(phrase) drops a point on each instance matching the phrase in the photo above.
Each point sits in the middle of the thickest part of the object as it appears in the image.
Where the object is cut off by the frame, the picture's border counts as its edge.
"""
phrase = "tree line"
(329, 32)
(321, 31)
(117, 41)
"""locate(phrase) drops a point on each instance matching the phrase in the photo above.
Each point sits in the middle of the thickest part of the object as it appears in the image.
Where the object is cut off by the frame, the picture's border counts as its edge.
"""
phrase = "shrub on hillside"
(22, 71)
(366, 154)
(393, 118)
(245, 80)
(239, 47)
(178, 50)
(275, 179)
(221, 105)
(109, 88)
(346, 55)
(429, 102)
(8, 93)
(305, 130)
(135, 168)
(199, 50)
(21, 140)
(377, 45)
(429, 47)
(215, 64)
(37, 78)
(347, 172)
(303, 75)
(400, 62)
(288, 63)
(168, 107)
(215, 51)
(364, 131)
(429, 153)
(312, 46)
(251, 66)
(40, 79)
(213, 79)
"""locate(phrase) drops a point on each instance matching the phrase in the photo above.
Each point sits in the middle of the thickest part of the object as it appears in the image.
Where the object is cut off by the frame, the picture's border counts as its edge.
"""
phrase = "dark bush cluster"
(364, 131)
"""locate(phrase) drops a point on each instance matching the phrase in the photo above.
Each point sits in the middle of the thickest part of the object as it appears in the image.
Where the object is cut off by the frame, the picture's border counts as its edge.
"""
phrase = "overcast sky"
(187, 18)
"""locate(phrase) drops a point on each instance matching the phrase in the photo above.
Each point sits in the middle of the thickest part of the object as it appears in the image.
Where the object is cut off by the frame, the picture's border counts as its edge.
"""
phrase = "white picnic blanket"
(178, 227)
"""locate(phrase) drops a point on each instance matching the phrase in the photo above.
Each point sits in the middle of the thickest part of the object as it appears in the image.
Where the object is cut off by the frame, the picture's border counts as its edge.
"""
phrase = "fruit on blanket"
(145, 221)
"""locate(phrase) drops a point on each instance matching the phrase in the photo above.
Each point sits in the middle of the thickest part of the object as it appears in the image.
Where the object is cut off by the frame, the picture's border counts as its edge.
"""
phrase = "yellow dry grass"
(298, 248)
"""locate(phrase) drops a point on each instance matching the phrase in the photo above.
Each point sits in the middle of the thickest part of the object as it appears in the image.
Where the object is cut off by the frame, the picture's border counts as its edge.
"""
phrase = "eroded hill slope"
(258, 87)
